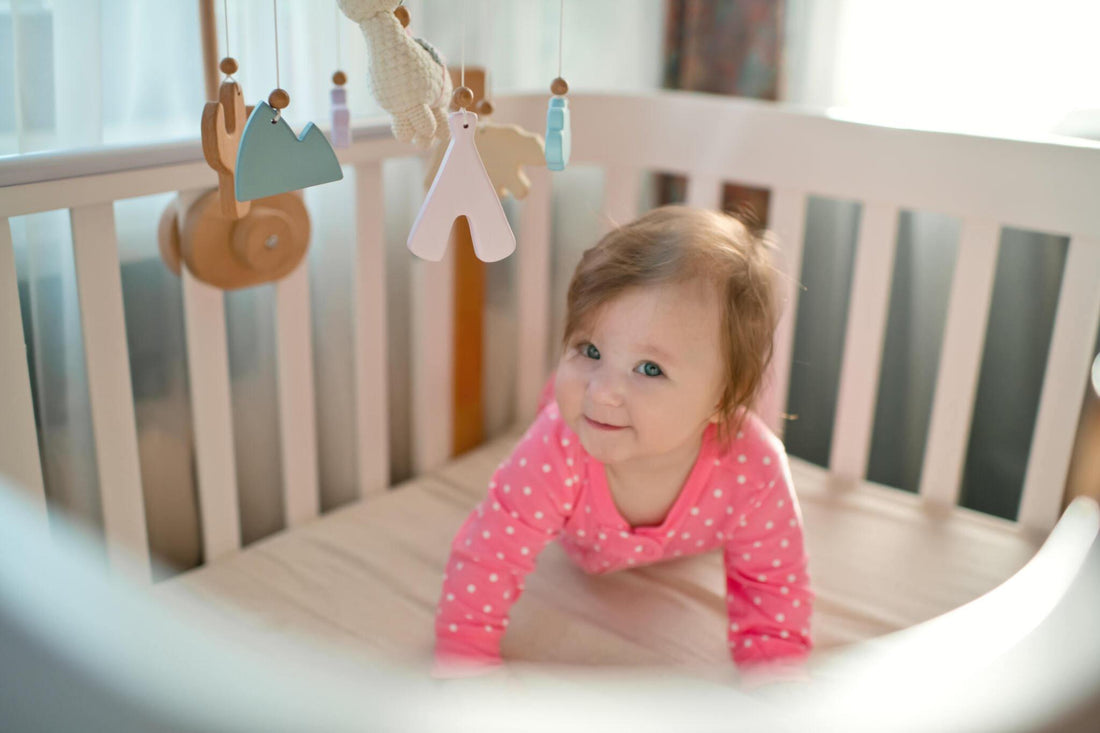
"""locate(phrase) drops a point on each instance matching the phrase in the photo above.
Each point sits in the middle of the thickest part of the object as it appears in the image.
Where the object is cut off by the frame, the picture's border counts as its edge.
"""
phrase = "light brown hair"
(676, 244)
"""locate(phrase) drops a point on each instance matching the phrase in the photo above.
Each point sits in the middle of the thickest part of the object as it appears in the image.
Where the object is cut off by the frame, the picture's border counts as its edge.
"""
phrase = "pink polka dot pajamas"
(737, 497)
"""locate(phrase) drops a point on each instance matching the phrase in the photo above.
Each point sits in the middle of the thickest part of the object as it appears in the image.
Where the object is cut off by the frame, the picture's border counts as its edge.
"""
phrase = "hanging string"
(463, 58)
(561, 31)
(225, 14)
(275, 17)
(336, 21)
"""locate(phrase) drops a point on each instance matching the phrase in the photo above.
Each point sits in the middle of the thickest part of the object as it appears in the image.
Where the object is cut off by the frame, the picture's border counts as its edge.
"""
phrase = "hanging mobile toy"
(462, 187)
(341, 117)
(558, 137)
(271, 159)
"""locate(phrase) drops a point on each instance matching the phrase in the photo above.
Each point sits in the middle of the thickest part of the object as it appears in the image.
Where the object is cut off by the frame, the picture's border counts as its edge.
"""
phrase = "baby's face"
(645, 378)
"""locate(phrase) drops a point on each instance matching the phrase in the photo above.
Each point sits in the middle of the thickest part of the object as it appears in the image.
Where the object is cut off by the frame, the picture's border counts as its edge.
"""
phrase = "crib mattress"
(367, 576)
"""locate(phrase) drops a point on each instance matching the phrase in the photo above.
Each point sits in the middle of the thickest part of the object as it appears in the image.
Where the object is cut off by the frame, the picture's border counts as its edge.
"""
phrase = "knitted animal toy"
(408, 77)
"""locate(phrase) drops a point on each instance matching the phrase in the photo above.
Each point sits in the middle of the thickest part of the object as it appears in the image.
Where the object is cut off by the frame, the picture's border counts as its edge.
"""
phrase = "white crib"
(366, 577)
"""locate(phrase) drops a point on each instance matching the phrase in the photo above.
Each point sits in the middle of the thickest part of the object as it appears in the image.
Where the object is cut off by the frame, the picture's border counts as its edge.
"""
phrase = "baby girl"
(645, 447)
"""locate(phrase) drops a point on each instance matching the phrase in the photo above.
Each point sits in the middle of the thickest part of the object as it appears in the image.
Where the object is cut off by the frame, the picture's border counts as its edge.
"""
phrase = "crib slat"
(19, 456)
(1067, 372)
(704, 191)
(297, 417)
(788, 222)
(432, 354)
(620, 202)
(960, 360)
(533, 288)
(864, 336)
(211, 409)
(371, 362)
(107, 357)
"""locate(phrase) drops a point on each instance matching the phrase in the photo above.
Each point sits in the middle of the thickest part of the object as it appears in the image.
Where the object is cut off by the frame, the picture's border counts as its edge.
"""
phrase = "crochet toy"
(408, 76)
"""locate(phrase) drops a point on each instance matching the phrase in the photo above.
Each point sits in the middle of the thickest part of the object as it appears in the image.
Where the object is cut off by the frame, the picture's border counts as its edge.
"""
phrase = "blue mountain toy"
(272, 160)
(557, 134)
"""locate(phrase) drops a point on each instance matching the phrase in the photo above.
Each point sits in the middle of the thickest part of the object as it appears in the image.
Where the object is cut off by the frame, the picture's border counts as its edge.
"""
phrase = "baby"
(645, 447)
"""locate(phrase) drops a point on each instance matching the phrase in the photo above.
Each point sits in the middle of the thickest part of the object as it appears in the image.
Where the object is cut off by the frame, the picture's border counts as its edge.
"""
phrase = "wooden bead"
(228, 65)
(278, 99)
(484, 108)
(339, 78)
(402, 14)
(558, 86)
(463, 97)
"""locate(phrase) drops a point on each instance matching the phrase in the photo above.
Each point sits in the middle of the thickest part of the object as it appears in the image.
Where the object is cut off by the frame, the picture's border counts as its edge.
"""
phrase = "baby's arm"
(767, 586)
(528, 502)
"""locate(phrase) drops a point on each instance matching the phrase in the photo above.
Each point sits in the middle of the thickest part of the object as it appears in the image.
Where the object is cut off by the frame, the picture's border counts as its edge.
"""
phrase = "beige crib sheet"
(368, 576)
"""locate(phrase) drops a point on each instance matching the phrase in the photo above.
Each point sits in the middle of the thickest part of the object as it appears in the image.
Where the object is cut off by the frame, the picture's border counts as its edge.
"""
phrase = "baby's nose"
(605, 389)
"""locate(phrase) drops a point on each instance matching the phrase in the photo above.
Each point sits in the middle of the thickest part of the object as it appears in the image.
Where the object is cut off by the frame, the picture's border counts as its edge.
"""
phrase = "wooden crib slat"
(211, 409)
(19, 456)
(432, 354)
(533, 288)
(788, 222)
(297, 417)
(704, 191)
(864, 336)
(1071, 352)
(107, 357)
(960, 360)
(620, 202)
(371, 359)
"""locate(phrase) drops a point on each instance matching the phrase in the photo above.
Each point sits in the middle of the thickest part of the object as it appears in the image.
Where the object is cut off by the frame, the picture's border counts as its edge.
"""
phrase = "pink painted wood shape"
(462, 188)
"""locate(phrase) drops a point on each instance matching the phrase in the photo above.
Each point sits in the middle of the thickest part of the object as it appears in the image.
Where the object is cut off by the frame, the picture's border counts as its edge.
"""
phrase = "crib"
(329, 624)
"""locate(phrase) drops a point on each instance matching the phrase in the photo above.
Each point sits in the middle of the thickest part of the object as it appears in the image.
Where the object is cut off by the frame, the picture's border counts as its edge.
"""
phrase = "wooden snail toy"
(227, 243)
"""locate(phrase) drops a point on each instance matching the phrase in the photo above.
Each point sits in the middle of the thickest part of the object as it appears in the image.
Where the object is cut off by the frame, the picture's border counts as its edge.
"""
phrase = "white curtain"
(994, 67)
(85, 73)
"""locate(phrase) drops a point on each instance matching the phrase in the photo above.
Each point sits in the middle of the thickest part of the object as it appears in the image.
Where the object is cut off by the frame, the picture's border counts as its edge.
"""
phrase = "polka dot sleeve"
(531, 494)
(767, 584)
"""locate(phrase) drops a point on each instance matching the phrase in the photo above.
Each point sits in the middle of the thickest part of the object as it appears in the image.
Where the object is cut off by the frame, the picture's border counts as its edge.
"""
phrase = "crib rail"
(710, 140)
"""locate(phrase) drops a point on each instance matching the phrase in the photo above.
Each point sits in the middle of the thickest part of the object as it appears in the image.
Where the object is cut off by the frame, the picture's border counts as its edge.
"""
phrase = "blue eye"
(651, 370)
(591, 351)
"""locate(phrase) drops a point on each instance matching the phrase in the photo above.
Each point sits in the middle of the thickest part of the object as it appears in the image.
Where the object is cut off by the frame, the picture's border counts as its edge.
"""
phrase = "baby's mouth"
(602, 426)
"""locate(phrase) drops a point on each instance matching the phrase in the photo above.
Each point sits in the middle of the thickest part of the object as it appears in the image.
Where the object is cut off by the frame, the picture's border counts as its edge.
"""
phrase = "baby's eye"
(650, 369)
(590, 351)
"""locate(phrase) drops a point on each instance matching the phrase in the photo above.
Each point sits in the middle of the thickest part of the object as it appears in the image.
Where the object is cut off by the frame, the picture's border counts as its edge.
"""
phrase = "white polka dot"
(507, 488)
(735, 627)
(721, 536)
(767, 460)
(746, 556)
(780, 617)
(568, 507)
(468, 543)
(769, 524)
(784, 590)
(500, 556)
(776, 563)
(762, 578)
(717, 493)
(539, 515)
(507, 594)
(493, 484)
(805, 632)
(510, 529)
(717, 462)
(487, 608)
(597, 548)
(453, 628)
(565, 442)
(568, 482)
(685, 535)
(546, 468)
(757, 544)
(638, 548)
(450, 596)
(485, 534)
(493, 578)
(630, 561)
(740, 435)
(790, 578)
(784, 542)
(524, 551)
(496, 506)
(580, 533)
(603, 536)
(796, 603)
(672, 533)
(698, 543)
(606, 564)
(588, 510)
(695, 511)
(546, 439)
(677, 553)
(459, 565)
(488, 628)
(741, 458)
(624, 535)
(793, 522)
(748, 642)
(471, 588)
(780, 503)
(504, 623)
(709, 522)
(765, 637)
(523, 461)
(729, 510)
(784, 633)
(756, 600)
(526, 490)
(741, 479)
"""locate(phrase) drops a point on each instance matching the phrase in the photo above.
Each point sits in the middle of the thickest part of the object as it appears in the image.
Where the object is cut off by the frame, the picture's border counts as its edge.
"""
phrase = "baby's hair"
(676, 244)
